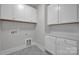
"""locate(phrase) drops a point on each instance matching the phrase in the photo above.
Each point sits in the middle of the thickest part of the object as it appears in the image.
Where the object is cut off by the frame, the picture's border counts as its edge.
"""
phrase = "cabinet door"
(0, 40)
(67, 13)
(78, 12)
(7, 11)
(52, 14)
(50, 44)
(19, 12)
(66, 47)
(0, 11)
(34, 15)
(30, 14)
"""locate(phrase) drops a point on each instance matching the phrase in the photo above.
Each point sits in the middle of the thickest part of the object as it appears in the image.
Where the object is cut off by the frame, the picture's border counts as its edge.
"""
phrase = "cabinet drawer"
(66, 46)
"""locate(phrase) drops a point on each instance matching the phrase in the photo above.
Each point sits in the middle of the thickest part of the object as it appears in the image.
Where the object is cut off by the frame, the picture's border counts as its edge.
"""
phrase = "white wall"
(22, 32)
(40, 28)
(69, 28)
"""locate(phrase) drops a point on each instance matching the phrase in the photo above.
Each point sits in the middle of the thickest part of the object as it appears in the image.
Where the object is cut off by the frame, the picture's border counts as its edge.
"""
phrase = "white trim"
(12, 50)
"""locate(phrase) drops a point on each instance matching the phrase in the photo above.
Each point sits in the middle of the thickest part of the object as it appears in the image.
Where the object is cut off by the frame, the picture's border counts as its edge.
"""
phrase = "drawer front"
(66, 47)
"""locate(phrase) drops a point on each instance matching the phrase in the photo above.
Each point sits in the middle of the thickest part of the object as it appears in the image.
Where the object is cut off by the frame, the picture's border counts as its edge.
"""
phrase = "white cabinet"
(30, 14)
(0, 11)
(78, 12)
(52, 14)
(67, 13)
(1, 34)
(6, 11)
(19, 12)
(50, 44)
(0, 40)
(60, 46)
(66, 47)
(25, 13)
(62, 13)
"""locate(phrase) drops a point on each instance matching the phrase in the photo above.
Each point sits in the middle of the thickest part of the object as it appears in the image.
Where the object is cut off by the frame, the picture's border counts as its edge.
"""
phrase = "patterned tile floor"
(33, 50)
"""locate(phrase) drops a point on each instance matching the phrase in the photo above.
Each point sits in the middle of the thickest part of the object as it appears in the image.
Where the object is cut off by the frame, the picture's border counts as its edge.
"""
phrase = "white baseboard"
(8, 51)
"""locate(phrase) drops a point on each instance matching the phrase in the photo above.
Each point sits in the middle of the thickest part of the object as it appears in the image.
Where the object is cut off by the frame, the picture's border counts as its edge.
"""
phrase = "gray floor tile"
(33, 50)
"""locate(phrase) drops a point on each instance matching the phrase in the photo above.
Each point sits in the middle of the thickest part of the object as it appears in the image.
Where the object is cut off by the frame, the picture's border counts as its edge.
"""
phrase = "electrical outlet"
(28, 42)
(26, 34)
(13, 32)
